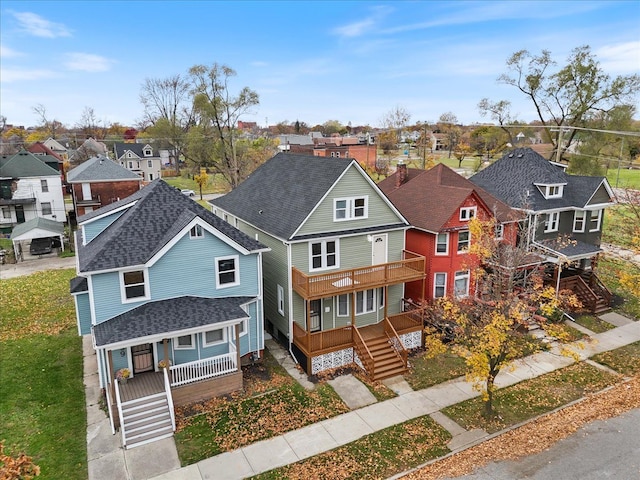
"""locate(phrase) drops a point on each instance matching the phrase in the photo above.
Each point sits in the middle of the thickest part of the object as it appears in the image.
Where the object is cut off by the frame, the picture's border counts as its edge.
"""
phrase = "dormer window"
(553, 191)
(467, 213)
(148, 152)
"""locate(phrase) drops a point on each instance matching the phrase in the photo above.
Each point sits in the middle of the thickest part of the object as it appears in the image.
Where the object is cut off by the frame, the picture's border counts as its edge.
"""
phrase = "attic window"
(148, 152)
(467, 213)
(553, 191)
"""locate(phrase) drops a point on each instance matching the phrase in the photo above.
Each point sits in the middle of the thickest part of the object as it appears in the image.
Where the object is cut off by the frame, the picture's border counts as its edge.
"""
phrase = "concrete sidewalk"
(340, 430)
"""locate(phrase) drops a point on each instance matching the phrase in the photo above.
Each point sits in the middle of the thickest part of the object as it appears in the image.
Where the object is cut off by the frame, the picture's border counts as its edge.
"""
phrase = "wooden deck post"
(165, 349)
(238, 343)
(111, 379)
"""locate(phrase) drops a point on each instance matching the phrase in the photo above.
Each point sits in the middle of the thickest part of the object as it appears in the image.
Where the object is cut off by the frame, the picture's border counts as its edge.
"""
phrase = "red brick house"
(438, 203)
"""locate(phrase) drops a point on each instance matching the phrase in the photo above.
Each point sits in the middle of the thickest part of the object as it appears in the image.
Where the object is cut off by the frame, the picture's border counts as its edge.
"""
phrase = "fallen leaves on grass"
(546, 431)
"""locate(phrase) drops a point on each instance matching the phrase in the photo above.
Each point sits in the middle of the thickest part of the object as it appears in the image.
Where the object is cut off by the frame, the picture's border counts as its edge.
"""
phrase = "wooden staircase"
(387, 363)
(593, 295)
(380, 350)
(146, 420)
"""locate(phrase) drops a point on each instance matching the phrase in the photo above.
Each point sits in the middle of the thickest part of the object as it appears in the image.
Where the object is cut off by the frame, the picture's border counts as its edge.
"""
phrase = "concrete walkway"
(342, 429)
(35, 264)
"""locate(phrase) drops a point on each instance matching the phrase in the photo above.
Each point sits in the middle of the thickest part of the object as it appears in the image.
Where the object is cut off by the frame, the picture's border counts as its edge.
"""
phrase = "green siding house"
(334, 276)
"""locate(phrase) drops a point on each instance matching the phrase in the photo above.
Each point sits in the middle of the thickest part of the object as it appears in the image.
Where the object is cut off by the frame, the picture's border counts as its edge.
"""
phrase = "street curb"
(506, 430)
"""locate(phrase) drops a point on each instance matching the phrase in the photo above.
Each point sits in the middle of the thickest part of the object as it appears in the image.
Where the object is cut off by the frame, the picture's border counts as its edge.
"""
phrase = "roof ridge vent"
(511, 155)
(520, 155)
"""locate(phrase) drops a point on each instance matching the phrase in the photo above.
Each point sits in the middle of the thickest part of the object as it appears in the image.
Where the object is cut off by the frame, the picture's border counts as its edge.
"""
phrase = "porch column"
(307, 303)
(165, 349)
(110, 372)
(558, 272)
(237, 329)
(386, 299)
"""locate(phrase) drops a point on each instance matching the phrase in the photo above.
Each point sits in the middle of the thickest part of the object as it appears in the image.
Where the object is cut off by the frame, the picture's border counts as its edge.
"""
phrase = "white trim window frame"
(463, 244)
(439, 284)
(579, 220)
(149, 163)
(343, 305)
(365, 301)
(184, 346)
(213, 343)
(324, 255)
(467, 213)
(46, 207)
(350, 208)
(440, 243)
(130, 285)
(244, 327)
(196, 232)
(380, 295)
(44, 186)
(280, 290)
(499, 231)
(595, 219)
(461, 276)
(552, 222)
(227, 269)
(553, 191)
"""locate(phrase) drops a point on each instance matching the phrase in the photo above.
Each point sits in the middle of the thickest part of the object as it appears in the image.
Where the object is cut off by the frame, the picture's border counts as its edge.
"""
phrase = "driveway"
(35, 264)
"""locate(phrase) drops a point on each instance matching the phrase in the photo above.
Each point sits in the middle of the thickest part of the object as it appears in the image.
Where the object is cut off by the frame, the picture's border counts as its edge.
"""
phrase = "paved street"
(602, 449)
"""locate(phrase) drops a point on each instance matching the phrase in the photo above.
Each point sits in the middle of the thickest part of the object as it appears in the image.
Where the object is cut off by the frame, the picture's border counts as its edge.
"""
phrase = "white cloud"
(87, 62)
(258, 63)
(6, 52)
(359, 28)
(35, 25)
(620, 58)
(8, 75)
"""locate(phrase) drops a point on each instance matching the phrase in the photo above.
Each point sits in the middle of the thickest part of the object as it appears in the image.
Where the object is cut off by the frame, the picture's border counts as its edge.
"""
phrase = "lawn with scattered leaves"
(533, 397)
(609, 270)
(374, 456)
(625, 360)
(593, 323)
(42, 403)
(426, 372)
(272, 403)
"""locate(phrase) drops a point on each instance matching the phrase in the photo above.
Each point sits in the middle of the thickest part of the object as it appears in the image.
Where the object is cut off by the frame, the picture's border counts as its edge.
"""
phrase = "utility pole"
(619, 161)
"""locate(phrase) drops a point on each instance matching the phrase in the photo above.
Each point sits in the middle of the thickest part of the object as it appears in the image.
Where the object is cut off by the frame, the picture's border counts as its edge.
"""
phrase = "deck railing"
(355, 279)
(110, 408)
(119, 405)
(364, 354)
(325, 341)
(167, 389)
(203, 369)
(406, 322)
(395, 340)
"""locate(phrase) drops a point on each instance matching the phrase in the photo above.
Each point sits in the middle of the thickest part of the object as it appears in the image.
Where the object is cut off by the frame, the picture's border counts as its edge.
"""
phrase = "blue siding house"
(171, 295)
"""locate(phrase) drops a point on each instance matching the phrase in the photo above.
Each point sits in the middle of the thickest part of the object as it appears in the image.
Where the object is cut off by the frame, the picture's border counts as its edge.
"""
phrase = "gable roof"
(120, 148)
(280, 194)
(56, 228)
(25, 164)
(428, 199)
(100, 169)
(40, 147)
(514, 177)
(154, 215)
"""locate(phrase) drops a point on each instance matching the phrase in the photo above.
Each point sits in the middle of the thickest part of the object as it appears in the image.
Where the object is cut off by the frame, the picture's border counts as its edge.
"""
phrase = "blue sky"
(313, 61)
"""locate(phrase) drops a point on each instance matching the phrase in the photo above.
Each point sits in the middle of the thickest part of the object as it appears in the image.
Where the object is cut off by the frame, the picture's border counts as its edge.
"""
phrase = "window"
(46, 208)
(323, 255)
(461, 284)
(579, 217)
(214, 337)
(594, 220)
(350, 208)
(149, 162)
(134, 286)
(499, 231)
(365, 301)
(343, 305)
(551, 223)
(553, 191)
(337, 154)
(130, 165)
(151, 177)
(439, 285)
(44, 185)
(6, 212)
(148, 153)
(380, 293)
(442, 244)
(467, 213)
(463, 241)
(184, 342)
(196, 232)
(227, 272)
(280, 300)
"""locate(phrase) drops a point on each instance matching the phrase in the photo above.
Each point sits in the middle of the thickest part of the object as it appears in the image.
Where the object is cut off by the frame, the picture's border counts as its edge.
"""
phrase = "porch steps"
(386, 361)
(146, 420)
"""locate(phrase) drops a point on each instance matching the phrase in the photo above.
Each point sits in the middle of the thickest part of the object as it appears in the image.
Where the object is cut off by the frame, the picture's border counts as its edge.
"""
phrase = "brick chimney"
(401, 173)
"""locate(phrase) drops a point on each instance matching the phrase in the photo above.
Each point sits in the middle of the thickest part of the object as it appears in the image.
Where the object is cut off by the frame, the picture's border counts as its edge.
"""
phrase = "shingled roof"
(100, 169)
(167, 316)
(120, 148)
(25, 164)
(513, 180)
(280, 194)
(154, 216)
(428, 199)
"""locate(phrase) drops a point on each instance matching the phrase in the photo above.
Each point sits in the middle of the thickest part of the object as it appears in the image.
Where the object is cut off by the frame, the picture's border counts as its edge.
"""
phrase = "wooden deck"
(142, 385)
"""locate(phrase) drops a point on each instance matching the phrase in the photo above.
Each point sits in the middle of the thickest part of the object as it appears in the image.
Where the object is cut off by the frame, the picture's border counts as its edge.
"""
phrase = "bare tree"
(396, 120)
(447, 123)
(499, 111)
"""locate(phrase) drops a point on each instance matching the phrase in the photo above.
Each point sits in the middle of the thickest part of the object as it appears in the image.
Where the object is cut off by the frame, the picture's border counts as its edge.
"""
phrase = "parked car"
(41, 246)
(187, 192)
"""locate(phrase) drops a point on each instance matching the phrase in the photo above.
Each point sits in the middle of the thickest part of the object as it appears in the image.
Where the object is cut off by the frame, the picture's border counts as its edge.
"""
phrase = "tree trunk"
(488, 404)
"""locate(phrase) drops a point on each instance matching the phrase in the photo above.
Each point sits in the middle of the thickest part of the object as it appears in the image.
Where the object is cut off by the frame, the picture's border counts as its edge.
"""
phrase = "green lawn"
(214, 185)
(625, 360)
(624, 179)
(530, 398)
(42, 402)
(616, 228)
(426, 372)
(593, 323)
(609, 270)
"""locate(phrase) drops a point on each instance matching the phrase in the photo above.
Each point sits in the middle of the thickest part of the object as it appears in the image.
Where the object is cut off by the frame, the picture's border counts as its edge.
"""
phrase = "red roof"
(428, 199)
(40, 147)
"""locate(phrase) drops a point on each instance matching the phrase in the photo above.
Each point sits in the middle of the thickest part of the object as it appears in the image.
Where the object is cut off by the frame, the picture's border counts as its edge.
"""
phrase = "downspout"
(290, 301)
(260, 303)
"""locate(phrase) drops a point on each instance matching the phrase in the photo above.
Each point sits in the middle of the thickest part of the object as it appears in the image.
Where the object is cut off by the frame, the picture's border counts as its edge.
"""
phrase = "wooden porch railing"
(167, 389)
(600, 288)
(363, 353)
(119, 405)
(584, 293)
(395, 341)
(355, 279)
(322, 342)
(203, 369)
(406, 322)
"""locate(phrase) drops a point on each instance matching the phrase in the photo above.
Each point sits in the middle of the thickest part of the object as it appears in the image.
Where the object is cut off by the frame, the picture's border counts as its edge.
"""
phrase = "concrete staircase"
(146, 420)
(387, 362)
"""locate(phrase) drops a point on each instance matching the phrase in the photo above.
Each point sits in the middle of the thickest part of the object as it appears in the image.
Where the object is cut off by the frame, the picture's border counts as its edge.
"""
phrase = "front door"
(19, 214)
(142, 358)
(316, 314)
(379, 249)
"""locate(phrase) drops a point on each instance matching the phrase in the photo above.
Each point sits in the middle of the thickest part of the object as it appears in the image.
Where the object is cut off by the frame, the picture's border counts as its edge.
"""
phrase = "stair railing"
(363, 353)
(395, 341)
(120, 416)
(167, 388)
